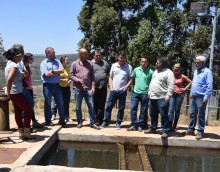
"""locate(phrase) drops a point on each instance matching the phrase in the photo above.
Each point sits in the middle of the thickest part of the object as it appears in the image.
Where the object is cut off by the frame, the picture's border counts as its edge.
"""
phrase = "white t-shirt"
(162, 84)
(120, 75)
(17, 83)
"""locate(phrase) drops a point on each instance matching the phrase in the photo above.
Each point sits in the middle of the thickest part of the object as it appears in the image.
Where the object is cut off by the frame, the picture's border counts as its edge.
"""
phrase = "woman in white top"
(14, 92)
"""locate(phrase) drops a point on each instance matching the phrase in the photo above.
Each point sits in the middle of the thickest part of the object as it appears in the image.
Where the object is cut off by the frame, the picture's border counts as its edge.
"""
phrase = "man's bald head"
(83, 54)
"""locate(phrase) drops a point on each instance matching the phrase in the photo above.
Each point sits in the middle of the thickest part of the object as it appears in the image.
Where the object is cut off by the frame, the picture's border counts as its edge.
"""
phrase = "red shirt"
(178, 83)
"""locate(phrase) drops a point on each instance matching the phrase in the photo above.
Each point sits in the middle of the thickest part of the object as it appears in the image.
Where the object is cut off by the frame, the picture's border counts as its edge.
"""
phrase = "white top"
(162, 84)
(17, 83)
(120, 75)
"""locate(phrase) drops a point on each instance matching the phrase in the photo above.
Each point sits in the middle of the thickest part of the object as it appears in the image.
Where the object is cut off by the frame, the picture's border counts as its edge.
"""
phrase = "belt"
(51, 84)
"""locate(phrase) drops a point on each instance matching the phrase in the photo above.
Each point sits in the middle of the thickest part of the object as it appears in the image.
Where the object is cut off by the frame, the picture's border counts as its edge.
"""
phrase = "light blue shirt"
(47, 65)
(202, 83)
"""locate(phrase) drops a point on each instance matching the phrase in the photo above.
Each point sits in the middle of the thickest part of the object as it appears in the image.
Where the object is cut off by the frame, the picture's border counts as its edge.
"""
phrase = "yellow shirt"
(64, 75)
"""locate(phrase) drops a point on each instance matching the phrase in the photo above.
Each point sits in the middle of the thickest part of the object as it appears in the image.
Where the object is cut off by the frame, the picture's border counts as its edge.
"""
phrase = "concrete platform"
(45, 138)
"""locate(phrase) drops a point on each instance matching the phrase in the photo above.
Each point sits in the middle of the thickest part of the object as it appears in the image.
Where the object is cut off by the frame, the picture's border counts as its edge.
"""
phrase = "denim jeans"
(135, 99)
(66, 99)
(197, 107)
(112, 99)
(159, 106)
(174, 107)
(30, 100)
(87, 95)
(55, 91)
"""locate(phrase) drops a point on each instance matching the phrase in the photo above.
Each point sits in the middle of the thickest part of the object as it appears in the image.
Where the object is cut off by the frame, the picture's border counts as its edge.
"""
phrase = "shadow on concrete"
(69, 125)
(4, 169)
(10, 140)
(211, 136)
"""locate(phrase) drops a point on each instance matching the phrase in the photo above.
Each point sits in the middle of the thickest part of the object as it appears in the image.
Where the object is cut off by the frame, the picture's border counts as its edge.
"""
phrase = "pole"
(211, 55)
(213, 39)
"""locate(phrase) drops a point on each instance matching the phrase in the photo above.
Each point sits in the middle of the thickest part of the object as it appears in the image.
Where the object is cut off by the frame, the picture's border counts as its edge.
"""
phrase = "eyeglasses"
(31, 59)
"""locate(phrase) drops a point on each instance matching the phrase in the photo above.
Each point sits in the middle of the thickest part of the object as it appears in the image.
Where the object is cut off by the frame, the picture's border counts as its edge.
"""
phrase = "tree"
(2, 60)
(145, 27)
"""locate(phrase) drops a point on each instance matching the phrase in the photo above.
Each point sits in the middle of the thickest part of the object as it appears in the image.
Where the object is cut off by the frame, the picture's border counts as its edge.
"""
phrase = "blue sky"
(38, 24)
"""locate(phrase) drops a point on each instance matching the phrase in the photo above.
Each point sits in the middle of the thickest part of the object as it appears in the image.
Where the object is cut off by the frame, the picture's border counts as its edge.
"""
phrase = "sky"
(38, 24)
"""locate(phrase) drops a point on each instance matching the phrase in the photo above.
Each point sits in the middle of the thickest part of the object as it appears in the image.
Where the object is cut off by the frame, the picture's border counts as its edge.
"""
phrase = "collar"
(201, 70)
(100, 61)
(48, 60)
(140, 68)
(120, 66)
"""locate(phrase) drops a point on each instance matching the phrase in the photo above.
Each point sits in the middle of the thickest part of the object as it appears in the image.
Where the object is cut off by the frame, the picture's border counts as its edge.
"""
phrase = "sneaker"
(49, 124)
(190, 133)
(140, 129)
(79, 125)
(69, 120)
(150, 131)
(118, 126)
(53, 117)
(164, 135)
(94, 126)
(199, 135)
(36, 124)
(104, 125)
(33, 130)
(132, 128)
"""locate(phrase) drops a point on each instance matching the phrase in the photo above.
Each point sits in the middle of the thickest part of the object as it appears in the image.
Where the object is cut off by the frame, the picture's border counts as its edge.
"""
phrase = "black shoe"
(62, 123)
(190, 133)
(165, 135)
(132, 128)
(104, 125)
(79, 125)
(150, 131)
(140, 129)
(94, 126)
(49, 124)
(199, 135)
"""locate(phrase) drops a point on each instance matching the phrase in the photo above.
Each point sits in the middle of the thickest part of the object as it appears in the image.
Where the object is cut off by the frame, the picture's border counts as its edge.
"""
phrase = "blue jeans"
(55, 91)
(30, 100)
(66, 98)
(174, 107)
(159, 106)
(197, 107)
(87, 95)
(112, 99)
(135, 99)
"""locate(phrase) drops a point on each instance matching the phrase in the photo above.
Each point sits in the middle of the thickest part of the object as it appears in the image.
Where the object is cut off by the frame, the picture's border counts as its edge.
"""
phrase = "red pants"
(21, 104)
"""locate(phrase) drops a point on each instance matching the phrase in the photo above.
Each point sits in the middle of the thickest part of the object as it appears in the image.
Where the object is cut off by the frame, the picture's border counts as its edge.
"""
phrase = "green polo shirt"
(142, 79)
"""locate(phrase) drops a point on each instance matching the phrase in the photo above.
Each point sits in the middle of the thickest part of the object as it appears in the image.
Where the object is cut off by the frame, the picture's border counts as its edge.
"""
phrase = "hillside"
(36, 67)
(39, 58)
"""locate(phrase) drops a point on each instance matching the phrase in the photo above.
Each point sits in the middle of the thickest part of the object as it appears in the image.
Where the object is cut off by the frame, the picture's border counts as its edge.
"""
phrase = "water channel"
(106, 156)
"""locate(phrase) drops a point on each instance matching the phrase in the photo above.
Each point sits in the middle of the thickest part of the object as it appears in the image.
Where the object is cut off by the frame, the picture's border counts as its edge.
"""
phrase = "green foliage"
(2, 60)
(148, 28)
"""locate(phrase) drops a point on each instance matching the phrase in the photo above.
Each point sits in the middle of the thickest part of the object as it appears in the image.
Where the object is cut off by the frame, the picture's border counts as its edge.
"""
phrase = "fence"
(212, 110)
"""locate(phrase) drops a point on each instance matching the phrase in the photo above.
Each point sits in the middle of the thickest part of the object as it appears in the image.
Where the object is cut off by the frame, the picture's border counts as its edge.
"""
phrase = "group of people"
(19, 89)
(161, 90)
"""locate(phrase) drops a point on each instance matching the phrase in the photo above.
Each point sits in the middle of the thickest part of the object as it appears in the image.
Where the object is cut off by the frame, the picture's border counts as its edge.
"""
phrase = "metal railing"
(212, 109)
